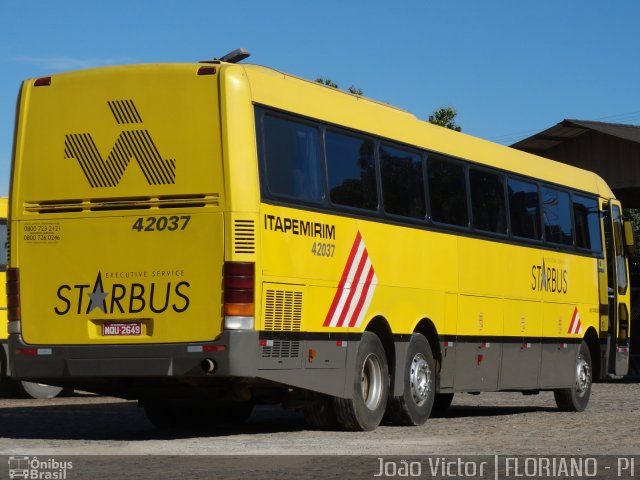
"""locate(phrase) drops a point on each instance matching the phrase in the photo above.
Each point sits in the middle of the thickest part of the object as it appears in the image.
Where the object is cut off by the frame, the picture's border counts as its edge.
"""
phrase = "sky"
(511, 68)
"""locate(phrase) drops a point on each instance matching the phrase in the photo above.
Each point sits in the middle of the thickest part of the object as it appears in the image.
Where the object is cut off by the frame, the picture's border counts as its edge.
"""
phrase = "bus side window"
(293, 159)
(487, 201)
(402, 182)
(351, 170)
(587, 223)
(447, 191)
(524, 210)
(557, 216)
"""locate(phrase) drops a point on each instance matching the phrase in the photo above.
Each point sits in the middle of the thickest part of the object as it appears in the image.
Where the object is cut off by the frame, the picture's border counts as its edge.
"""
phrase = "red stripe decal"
(363, 297)
(352, 290)
(343, 280)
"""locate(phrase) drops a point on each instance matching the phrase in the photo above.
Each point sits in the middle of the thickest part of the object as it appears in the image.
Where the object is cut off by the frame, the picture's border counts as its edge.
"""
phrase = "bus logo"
(135, 144)
(355, 290)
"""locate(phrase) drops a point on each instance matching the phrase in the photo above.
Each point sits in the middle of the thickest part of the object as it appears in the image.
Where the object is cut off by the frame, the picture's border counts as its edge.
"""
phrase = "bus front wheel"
(414, 406)
(576, 398)
(364, 411)
(38, 390)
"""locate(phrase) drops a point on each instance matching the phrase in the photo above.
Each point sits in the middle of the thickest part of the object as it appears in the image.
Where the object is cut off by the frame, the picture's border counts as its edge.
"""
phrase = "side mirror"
(628, 237)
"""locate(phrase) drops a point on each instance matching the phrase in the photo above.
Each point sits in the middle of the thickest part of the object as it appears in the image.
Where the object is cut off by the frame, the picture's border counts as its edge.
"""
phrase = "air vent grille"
(132, 203)
(282, 322)
(281, 345)
(244, 236)
(283, 310)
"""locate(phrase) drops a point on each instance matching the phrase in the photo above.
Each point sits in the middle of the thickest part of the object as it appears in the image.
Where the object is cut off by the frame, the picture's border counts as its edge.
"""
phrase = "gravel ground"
(486, 424)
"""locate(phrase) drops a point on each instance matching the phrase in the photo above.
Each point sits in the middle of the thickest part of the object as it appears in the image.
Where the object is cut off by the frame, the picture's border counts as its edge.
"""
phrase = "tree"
(327, 81)
(445, 117)
(330, 83)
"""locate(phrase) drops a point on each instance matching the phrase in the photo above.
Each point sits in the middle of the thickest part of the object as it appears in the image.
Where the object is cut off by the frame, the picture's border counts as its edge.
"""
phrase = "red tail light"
(42, 82)
(13, 294)
(207, 71)
(239, 280)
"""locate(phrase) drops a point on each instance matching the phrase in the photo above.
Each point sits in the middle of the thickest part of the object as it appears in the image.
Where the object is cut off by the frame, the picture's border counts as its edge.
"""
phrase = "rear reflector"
(34, 351)
(27, 351)
(206, 348)
(13, 294)
(42, 82)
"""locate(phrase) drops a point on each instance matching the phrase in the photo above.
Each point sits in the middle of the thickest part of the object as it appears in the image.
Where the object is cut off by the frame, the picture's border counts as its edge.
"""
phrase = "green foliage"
(445, 117)
(327, 81)
(330, 83)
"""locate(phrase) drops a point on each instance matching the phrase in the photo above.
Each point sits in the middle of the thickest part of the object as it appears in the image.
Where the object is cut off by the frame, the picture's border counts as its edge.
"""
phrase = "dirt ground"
(486, 424)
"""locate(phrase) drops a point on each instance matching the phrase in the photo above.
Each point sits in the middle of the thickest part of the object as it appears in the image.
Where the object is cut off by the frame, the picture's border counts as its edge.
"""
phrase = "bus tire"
(442, 402)
(38, 390)
(414, 406)
(576, 398)
(364, 411)
(321, 415)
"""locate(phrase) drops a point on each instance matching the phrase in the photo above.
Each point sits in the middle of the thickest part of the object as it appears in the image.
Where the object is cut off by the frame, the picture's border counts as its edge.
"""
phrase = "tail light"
(42, 82)
(13, 294)
(239, 295)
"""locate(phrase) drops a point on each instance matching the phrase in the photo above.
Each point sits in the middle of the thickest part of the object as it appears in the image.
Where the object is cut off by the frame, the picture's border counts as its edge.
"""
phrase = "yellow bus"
(24, 389)
(206, 237)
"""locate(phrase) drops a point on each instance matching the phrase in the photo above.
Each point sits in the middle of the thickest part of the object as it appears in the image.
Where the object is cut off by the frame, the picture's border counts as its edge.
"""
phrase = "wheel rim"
(583, 375)
(371, 381)
(420, 379)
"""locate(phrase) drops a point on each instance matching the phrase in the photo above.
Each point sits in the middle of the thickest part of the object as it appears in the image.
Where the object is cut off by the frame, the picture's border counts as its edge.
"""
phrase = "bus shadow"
(124, 421)
(127, 422)
(489, 411)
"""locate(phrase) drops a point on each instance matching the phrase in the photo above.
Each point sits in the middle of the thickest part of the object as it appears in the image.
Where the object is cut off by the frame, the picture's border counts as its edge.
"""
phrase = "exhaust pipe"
(208, 365)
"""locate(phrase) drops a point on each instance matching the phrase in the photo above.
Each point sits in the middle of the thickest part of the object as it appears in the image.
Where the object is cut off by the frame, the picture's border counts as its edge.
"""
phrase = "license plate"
(129, 329)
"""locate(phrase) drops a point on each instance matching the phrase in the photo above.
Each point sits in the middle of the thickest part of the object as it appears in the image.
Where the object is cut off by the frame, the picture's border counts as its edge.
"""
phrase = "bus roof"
(272, 88)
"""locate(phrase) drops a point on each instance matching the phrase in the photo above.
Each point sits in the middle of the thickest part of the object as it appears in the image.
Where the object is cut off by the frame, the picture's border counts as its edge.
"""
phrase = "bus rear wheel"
(414, 406)
(576, 398)
(364, 411)
(321, 415)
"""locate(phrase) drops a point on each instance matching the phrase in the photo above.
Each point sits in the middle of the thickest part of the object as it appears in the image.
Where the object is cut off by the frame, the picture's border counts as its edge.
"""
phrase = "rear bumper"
(234, 354)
